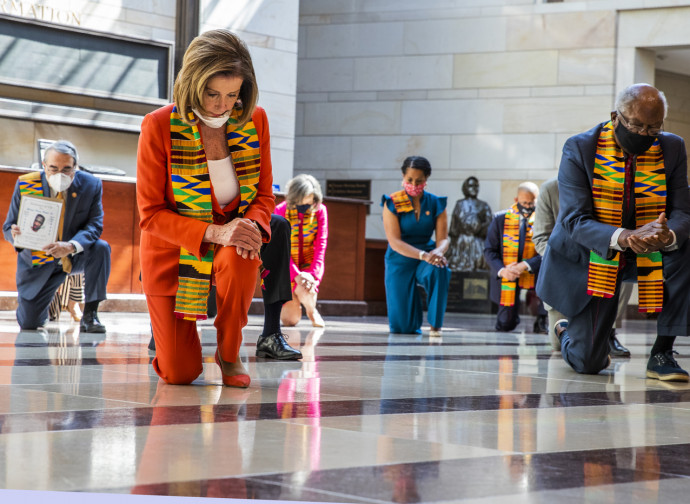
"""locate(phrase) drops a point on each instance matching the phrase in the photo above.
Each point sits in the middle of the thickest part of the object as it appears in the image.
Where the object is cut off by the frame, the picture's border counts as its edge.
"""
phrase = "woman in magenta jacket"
(308, 220)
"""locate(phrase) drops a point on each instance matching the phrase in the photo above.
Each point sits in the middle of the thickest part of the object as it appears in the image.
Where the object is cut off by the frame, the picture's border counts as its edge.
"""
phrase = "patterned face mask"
(414, 190)
(526, 211)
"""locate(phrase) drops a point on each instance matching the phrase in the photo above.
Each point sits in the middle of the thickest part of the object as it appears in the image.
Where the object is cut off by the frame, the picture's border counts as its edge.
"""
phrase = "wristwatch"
(421, 255)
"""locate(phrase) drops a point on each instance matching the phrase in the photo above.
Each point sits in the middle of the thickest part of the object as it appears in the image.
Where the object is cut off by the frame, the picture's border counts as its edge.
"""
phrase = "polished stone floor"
(366, 416)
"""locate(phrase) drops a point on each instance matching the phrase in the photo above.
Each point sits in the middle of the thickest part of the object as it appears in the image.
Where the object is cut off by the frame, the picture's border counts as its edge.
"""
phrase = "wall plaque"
(357, 189)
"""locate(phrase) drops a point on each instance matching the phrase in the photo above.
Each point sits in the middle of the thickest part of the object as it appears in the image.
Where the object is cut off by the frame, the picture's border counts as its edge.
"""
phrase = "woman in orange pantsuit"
(204, 191)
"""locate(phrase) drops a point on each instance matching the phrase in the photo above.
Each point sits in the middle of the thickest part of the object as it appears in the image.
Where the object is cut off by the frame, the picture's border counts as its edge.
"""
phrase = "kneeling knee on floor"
(591, 368)
(180, 375)
(505, 327)
(177, 378)
(290, 321)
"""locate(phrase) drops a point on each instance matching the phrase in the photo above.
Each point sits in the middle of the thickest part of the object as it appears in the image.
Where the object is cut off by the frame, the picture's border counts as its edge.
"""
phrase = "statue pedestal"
(469, 292)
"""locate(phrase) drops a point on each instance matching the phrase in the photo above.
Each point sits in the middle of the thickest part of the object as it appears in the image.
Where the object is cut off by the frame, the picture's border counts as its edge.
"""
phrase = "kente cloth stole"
(608, 189)
(191, 184)
(402, 202)
(309, 228)
(511, 245)
(30, 185)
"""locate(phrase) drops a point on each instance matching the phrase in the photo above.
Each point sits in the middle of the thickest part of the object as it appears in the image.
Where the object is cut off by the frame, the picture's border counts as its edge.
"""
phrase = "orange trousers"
(178, 347)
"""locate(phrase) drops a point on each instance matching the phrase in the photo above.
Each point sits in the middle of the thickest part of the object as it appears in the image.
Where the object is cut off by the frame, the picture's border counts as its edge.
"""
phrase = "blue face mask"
(303, 208)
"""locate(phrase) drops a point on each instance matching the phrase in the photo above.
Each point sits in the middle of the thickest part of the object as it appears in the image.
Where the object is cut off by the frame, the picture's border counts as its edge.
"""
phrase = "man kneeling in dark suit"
(513, 260)
(624, 214)
(78, 247)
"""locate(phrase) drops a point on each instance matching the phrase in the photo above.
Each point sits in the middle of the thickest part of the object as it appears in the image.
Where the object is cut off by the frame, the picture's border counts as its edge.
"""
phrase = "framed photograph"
(39, 221)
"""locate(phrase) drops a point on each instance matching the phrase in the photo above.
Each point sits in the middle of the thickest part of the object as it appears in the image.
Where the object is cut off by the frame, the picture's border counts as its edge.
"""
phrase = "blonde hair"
(215, 52)
(300, 187)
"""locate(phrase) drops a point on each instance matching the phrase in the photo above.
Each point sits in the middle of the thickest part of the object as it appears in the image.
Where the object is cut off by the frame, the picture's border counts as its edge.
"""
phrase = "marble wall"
(270, 28)
(490, 88)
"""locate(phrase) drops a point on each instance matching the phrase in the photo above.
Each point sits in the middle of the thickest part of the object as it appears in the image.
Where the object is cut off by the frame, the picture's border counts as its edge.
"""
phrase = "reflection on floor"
(366, 416)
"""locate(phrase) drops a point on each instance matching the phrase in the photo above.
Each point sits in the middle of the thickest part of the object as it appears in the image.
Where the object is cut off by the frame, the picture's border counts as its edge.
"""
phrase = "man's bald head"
(641, 95)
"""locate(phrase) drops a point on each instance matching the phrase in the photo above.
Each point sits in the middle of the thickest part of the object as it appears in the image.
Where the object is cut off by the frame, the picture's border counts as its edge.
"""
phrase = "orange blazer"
(163, 230)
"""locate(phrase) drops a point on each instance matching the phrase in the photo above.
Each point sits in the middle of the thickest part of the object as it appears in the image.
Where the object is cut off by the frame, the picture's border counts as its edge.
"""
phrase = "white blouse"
(224, 180)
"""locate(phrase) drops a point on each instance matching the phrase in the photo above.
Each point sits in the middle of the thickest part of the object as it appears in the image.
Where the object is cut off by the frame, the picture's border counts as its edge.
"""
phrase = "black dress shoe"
(615, 347)
(90, 324)
(275, 347)
(540, 325)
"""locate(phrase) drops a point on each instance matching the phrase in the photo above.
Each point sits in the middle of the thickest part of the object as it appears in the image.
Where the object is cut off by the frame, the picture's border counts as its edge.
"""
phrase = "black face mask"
(525, 210)
(302, 208)
(633, 143)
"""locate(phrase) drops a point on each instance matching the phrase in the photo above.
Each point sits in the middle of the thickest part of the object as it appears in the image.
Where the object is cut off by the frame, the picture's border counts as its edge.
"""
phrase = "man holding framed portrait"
(55, 222)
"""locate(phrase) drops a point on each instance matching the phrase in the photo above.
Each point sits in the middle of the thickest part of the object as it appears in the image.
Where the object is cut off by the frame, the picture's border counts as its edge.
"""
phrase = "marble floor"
(365, 417)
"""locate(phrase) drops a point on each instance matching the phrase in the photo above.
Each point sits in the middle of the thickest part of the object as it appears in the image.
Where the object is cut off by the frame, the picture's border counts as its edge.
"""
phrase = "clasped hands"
(435, 258)
(57, 249)
(512, 271)
(244, 234)
(651, 237)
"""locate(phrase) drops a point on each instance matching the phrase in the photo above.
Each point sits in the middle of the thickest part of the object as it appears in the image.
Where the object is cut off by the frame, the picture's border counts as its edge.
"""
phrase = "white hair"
(529, 187)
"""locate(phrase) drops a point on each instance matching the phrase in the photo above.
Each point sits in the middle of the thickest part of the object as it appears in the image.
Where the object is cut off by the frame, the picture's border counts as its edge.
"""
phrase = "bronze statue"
(468, 226)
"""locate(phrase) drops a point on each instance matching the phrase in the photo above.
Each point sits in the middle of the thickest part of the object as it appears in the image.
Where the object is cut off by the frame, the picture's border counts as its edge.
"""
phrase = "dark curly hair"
(418, 163)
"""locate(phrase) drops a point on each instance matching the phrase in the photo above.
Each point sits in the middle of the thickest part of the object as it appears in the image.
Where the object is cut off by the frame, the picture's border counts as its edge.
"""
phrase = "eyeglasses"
(67, 170)
(639, 129)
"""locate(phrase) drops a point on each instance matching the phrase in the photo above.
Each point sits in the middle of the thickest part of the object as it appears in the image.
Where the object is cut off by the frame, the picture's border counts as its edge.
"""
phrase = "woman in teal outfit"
(410, 218)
